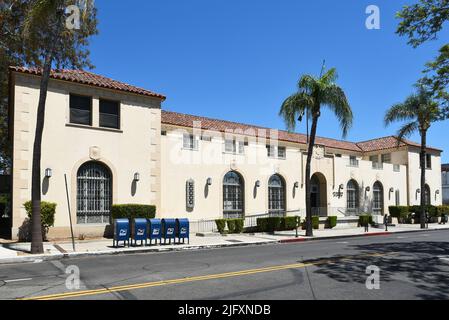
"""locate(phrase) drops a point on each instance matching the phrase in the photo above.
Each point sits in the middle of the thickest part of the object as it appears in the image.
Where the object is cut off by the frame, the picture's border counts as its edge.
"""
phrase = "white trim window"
(276, 152)
(234, 146)
(189, 142)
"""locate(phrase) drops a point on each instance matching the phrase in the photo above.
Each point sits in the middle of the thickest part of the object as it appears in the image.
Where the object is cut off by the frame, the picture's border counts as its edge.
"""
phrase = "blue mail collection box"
(168, 229)
(121, 231)
(139, 230)
(182, 229)
(155, 230)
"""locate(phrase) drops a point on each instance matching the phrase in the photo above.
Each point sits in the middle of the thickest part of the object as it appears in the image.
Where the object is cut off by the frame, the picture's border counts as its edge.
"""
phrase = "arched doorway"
(427, 200)
(352, 197)
(276, 195)
(233, 195)
(94, 193)
(378, 198)
(318, 197)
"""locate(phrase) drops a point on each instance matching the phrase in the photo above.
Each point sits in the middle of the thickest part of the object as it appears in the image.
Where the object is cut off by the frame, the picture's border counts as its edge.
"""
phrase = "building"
(445, 182)
(115, 146)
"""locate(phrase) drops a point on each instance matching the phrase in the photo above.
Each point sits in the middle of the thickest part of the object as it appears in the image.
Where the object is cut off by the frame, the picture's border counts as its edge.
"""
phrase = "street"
(411, 265)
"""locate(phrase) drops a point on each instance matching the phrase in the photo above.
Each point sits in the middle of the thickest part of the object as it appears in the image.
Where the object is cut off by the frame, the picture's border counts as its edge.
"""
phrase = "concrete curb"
(59, 256)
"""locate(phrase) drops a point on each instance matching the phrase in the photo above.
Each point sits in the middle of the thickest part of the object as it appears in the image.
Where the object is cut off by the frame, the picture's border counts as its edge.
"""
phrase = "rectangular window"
(271, 151)
(396, 168)
(281, 152)
(338, 155)
(109, 114)
(428, 161)
(234, 146)
(386, 158)
(189, 142)
(353, 162)
(80, 110)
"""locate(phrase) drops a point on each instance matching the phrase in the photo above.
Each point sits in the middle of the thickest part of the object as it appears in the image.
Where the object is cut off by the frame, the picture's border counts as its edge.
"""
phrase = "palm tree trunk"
(309, 227)
(422, 161)
(36, 228)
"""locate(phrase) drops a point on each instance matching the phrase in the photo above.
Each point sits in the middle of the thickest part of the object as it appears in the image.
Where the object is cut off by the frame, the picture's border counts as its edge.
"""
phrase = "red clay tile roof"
(186, 120)
(390, 142)
(84, 77)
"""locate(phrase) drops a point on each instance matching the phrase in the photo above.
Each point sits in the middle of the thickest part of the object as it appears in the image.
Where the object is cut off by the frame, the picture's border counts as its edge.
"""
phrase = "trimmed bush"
(431, 210)
(269, 224)
(221, 225)
(365, 219)
(48, 211)
(443, 210)
(231, 225)
(332, 221)
(239, 225)
(288, 223)
(400, 212)
(131, 211)
(316, 222)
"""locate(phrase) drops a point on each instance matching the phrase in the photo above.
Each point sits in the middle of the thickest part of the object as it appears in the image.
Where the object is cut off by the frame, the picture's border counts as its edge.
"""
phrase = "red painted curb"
(292, 240)
(377, 234)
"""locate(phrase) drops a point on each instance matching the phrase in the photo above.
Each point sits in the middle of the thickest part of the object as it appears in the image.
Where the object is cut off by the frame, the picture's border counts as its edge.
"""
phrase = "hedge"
(131, 211)
(48, 211)
(332, 221)
(231, 225)
(443, 210)
(400, 212)
(239, 225)
(270, 224)
(365, 219)
(221, 225)
(288, 223)
(316, 222)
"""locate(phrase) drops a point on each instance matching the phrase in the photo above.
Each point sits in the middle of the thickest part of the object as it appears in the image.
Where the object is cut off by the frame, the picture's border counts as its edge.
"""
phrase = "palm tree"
(46, 37)
(419, 111)
(314, 93)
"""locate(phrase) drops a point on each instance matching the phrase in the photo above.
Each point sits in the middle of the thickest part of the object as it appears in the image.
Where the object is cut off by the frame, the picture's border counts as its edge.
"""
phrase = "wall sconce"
(367, 189)
(48, 173)
(418, 190)
(209, 181)
(391, 190)
(341, 187)
(136, 176)
(296, 185)
(437, 191)
(257, 183)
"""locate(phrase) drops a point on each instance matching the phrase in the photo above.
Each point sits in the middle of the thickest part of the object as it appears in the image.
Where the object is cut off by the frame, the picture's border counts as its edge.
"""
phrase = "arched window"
(378, 198)
(276, 195)
(352, 196)
(94, 193)
(427, 200)
(233, 195)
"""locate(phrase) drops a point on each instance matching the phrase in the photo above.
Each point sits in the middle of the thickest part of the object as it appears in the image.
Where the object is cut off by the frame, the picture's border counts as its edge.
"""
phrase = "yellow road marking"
(193, 279)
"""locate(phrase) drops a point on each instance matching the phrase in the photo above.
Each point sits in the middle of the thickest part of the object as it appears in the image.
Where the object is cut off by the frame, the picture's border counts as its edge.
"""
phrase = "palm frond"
(329, 77)
(406, 130)
(407, 110)
(335, 99)
(294, 106)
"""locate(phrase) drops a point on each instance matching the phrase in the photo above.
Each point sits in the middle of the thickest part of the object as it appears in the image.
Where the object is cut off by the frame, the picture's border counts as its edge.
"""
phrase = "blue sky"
(238, 60)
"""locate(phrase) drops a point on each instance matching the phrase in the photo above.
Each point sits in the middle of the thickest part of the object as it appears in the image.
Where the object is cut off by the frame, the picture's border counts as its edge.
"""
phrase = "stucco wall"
(133, 148)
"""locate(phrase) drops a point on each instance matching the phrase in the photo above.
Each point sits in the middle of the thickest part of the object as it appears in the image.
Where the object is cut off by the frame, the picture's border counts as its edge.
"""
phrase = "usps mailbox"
(139, 230)
(168, 229)
(182, 230)
(155, 230)
(121, 232)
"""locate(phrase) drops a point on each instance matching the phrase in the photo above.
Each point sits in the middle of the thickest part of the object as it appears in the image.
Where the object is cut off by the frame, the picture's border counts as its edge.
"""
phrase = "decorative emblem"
(318, 152)
(94, 153)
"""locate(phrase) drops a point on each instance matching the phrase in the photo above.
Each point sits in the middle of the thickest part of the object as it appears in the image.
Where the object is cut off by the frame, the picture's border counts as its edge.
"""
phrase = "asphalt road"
(411, 266)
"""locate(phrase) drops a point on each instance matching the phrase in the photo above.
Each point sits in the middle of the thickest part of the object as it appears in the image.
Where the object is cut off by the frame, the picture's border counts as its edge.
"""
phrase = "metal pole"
(70, 215)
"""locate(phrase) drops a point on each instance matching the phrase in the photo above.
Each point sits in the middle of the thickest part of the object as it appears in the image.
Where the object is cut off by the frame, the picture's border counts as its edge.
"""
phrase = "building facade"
(114, 145)
(445, 182)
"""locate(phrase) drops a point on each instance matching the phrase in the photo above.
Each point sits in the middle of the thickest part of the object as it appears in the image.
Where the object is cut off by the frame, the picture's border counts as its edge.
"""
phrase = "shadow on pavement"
(414, 262)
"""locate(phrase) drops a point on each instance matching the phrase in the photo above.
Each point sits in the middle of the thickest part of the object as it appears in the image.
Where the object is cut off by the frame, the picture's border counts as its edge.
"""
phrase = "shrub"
(231, 225)
(443, 210)
(132, 211)
(288, 223)
(365, 219)
(332, 221)
(269, 224)
(239, 225)
(221, 225)
(316, 222)
(400, 212)
(48, 210)
(431, 210)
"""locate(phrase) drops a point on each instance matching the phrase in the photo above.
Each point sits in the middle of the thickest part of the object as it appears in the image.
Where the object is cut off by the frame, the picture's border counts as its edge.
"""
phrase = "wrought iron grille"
(352, 193)
(378, 198)
(276, 195)
(94, 194)
(232, 196)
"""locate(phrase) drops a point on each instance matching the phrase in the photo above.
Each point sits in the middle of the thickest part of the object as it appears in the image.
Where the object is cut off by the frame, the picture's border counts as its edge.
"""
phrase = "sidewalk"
(19, 252)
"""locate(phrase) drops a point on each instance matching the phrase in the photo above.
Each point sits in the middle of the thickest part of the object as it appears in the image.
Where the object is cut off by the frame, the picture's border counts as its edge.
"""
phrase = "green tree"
(313, 94)
(422, 22)
(418, 112)
(49, 41)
